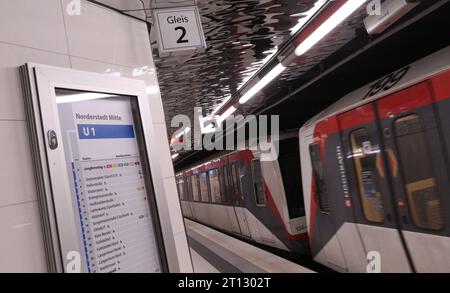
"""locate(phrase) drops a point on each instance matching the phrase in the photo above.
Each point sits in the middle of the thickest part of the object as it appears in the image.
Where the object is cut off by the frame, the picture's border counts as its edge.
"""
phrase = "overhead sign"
(179, 30)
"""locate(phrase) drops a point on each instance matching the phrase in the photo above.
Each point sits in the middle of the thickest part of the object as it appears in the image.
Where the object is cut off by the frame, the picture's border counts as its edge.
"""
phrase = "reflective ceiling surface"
(241, 36)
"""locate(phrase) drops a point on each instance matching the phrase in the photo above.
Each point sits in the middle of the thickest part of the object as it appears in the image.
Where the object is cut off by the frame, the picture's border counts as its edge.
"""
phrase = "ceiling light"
(277, 70)
(174, 156)
(325, 28)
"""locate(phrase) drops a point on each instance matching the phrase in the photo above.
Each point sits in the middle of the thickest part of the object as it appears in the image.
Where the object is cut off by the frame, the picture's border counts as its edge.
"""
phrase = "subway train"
(375, 173)
(259, 200)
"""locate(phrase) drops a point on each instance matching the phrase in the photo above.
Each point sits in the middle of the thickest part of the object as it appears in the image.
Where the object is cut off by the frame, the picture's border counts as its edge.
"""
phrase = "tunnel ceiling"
(241, 36)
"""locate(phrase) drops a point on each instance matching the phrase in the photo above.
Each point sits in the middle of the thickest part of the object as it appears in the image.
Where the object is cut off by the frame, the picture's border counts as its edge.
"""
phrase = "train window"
(224, 179)
(188, 190)
(319, 178)
(236, 186)
(289, 160)
(420, 184)
(258, 182)
(365, 162)
(181, 188)
(204, 187)
(195, 188)
(214, 185)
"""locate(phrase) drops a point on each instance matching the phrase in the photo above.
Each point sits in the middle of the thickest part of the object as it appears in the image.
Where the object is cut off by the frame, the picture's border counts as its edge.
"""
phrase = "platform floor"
(216, 252)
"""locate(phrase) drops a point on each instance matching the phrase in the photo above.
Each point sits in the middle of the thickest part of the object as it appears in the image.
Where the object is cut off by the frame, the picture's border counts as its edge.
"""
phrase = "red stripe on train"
(441, 86)
(359, 116)
(404, 101)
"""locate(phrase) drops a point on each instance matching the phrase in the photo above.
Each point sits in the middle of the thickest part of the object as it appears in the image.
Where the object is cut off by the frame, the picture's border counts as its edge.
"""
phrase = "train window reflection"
(236, 183)
(214, 186)
(195, 189)
(181, 189)
(365, 162)
(204, 187)
(258, 182)
(225, 183)
(420, 183)
(319, 178)
(289, 159)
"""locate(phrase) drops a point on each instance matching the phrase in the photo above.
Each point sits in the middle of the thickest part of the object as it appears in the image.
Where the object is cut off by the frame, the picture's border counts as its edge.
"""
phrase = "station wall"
(97, 40)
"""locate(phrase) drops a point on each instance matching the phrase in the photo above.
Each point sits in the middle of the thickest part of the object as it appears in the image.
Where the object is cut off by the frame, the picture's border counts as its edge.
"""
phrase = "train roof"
(291, 133)
(415, 72)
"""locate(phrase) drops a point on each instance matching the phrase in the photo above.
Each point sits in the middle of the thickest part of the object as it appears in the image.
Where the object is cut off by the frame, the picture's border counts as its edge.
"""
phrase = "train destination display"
(109, 193)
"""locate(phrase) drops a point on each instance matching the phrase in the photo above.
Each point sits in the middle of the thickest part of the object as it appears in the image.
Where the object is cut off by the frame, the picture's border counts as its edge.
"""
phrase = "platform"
(216, 252)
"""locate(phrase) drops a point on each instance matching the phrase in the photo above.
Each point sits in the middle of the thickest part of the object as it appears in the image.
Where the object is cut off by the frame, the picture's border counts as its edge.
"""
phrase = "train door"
(419, 174)
(368, 183)
(188, 197)
(238, 200)
(325, 229)
(227, 198)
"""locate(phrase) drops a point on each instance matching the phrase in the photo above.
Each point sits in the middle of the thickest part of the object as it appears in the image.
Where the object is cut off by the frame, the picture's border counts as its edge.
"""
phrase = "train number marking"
(387, 82)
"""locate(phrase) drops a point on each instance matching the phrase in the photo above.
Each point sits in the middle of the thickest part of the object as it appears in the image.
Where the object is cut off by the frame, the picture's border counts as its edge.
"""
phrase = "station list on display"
(109, 192)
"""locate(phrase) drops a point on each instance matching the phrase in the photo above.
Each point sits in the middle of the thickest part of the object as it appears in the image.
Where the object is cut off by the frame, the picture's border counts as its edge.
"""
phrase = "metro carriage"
(241, 194)
(375, 174)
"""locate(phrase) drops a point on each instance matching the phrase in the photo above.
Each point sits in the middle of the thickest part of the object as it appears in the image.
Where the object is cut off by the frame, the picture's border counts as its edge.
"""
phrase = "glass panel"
(319, 178)
(365, 161)
(236, 185)
(188, 189)
(420, 183)
(111, 193)
(181, 189)
(195, 188)
(289, 160)
(204, 187)
(258, 182)
(223, 175)
(214, 186)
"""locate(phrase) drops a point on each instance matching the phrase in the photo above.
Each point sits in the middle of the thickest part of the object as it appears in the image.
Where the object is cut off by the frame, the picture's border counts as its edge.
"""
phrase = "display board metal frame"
(52, 179)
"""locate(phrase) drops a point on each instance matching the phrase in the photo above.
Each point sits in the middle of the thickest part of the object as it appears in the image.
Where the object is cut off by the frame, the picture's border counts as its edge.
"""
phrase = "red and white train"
(239, 193)
(375, 172)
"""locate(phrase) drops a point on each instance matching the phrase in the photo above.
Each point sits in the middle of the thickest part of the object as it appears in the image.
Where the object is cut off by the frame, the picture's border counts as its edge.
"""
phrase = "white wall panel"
(16, 170)
(36, 24)
(98, 40)
(104, 35)
(21, 244)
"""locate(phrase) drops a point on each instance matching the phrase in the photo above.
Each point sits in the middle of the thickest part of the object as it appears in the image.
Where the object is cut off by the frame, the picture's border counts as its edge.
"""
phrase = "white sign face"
(179, 29)
(108, 189)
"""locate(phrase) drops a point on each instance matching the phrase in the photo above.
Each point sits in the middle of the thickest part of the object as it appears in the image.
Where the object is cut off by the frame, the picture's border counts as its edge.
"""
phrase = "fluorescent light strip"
(277, 70)
(226, 114)
(81, 97)
(174, 156)
(325, 28)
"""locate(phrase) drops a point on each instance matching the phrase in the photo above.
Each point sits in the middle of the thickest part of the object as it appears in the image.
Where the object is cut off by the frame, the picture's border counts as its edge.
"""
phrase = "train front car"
(244, 194)
(375, 174)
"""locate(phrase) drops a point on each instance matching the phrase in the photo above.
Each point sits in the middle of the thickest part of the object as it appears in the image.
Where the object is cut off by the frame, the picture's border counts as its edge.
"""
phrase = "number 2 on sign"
(181, 39)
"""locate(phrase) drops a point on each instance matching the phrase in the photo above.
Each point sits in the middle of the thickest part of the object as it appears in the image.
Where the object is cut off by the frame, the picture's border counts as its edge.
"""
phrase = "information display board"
(109, 193)
(103, 197)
